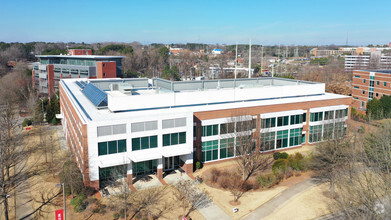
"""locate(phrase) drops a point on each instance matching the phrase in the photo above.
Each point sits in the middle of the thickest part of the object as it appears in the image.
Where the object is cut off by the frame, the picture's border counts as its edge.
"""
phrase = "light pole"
(63, 195)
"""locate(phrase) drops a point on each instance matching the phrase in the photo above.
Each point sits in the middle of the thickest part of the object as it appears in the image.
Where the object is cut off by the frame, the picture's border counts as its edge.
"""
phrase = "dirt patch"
(233, 203)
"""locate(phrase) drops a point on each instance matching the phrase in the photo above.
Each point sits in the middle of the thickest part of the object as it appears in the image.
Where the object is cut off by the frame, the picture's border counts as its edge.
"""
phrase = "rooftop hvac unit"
(125, 88)
(114, 87)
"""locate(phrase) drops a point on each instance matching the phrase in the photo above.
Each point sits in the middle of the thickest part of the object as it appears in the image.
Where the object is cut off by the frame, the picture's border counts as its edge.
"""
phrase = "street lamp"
(63, 194)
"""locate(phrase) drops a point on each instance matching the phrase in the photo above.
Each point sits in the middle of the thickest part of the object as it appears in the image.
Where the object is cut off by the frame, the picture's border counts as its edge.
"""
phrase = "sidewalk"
(270, 206)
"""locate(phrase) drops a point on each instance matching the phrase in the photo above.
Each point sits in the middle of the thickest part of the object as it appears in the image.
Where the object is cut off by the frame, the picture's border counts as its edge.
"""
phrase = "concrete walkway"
(213, 212)
(273, 204)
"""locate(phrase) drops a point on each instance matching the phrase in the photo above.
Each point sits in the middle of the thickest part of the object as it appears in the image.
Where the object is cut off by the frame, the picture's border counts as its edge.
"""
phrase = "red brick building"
(369, 84)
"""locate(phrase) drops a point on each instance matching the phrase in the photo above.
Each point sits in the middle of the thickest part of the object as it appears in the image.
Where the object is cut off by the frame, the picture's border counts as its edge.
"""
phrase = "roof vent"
(114, 87)
(125, 88)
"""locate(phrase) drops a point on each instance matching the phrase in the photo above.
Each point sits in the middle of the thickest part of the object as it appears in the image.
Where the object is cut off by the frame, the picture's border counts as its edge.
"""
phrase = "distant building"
(175, 51)
(50, 69)
(217, 51)
(73, 52)
(374, 60)
(369, 84)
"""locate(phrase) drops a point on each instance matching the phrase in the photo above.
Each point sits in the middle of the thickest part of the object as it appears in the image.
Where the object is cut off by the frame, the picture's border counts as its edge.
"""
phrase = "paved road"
(270, 206)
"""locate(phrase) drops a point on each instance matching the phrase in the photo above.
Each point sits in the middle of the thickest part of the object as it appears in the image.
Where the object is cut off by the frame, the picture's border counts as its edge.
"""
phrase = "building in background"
(133, 127)
(217, 51)
(369, 84)
(374, 60)
(79, 63)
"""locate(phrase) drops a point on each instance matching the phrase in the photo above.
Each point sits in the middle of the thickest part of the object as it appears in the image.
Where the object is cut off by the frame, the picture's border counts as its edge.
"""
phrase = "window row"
(111, 130)
(142, 143)
(174, 139)
(144, 126)
(327, 132)
(328, 115)
(111, 147)
(283, 121)
(174, 123)
(139, 126)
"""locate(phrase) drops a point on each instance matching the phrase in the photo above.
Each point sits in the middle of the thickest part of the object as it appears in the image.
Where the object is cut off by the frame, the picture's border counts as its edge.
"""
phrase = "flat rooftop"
(99, 100)
(378, 71)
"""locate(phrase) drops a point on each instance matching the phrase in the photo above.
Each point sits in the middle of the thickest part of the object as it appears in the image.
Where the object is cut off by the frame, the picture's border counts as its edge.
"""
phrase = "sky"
(300, 22)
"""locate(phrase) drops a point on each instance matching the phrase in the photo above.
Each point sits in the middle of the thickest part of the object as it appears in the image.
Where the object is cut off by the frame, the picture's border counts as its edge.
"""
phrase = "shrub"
(288, 172)
(276, 155)
(89, 191)
(215, 174)
(284, 155)
(280, 165)
(115, 216)
(298, 156)
(79, 203)
(26, 122)
(198, 165)
(224, 180)
(267, 181)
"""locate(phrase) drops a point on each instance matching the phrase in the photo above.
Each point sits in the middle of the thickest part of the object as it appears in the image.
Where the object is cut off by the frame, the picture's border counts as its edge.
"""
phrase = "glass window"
(328, 115)
(153, 142)
(304, 117)
(102, 148)
(295, 137)
(296, 119)
(121, 146)
(268, 123)
(112, 147)
(282, 139)
(267, 141)
(136, 144)
(377, 82)
(364, 80)
(166, 140)
(283, 121)
(210, 150)
(174, 138)
(315, 133)
(182, 138)
(385, 84)
(144, 142)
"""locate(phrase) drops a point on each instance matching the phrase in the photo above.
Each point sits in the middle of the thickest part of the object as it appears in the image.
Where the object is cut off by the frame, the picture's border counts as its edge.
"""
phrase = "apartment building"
(79, 63)
(370, 61)
(132, 127)
(369, 84)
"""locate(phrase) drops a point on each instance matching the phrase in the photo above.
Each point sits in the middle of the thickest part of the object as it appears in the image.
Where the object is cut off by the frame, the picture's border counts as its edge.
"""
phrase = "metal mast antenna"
(249, 61)
(236, 58)
(262, 59)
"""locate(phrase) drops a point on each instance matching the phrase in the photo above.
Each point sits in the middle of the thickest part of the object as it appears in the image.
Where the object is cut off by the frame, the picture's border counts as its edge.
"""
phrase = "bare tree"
(14, 154)
(329, 158)
(364, 193)
(190, 197)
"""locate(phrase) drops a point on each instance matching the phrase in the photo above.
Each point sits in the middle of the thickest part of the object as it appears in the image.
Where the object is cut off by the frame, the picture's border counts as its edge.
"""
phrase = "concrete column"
(129, 175)
(188, 166)
(159, 172)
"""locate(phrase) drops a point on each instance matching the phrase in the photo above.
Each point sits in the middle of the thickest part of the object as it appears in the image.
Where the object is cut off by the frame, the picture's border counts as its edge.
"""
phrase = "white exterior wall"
(183, 150)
